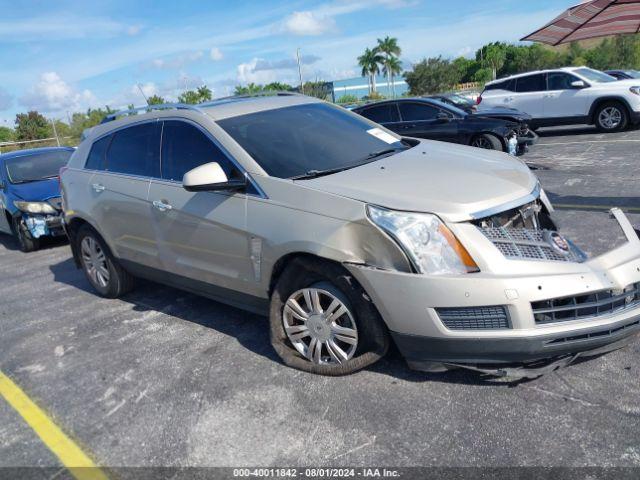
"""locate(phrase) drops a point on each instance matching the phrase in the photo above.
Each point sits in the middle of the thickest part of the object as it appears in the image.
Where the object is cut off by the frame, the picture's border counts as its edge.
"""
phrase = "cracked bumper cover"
(43, 225)
(408, 303)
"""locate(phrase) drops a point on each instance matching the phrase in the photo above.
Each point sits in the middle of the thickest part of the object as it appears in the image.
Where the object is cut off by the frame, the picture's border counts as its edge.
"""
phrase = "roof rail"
(163, 106)
(262, 93)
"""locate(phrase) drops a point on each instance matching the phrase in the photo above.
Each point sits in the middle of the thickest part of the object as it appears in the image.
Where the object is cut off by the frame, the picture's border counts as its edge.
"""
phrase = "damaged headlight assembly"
(426, 240)
(42, 208)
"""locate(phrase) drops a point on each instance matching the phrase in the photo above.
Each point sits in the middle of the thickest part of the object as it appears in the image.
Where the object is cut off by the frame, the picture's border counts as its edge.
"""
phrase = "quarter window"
(413, 112)
(135, 151)
(185, 147)
(386, 113)
(97, 156)
(532, 83)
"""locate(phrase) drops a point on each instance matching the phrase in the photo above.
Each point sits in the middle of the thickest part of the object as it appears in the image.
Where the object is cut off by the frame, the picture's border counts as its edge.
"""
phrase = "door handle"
(161, 205)
(98, 187)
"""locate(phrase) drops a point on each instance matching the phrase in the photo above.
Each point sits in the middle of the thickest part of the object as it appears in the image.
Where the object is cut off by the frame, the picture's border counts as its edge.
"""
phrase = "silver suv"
(346, 235)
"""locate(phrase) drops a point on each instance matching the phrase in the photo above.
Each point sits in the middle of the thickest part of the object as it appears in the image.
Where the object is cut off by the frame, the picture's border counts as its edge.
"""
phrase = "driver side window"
(185, 147)
(560, 81)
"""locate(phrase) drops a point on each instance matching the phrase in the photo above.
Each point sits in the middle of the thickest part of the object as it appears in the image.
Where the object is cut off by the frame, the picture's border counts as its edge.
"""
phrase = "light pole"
(300, 71)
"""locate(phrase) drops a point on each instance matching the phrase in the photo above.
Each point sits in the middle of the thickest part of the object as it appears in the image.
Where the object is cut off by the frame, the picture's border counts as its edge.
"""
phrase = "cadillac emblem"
(558, 242)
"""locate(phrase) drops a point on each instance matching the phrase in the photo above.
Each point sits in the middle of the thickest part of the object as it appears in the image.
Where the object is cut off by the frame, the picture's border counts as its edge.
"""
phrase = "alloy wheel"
(95, 261)
(610, 118)
(320, 326)
(482, 142)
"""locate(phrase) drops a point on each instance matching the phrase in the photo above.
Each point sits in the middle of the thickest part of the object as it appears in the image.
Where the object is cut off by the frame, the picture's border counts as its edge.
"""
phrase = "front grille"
(56, 203)
(590, 305)
(525, 243)
(474, 318)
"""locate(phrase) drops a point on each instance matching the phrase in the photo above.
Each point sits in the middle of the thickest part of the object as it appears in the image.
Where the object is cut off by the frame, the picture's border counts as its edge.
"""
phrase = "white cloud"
(215, 54)
(52, 94)
(179, 61)
(59, 27)
(247, 73)
(308, 23)
(133, 30)
(6, 99)
(149, 89)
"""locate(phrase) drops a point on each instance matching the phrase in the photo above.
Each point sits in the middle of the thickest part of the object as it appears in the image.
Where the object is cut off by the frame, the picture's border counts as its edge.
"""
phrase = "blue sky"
(66, 56)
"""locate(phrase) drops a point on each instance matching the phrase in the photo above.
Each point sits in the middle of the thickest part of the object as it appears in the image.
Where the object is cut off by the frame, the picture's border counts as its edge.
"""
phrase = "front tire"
(100, 267)
(611, 117)
(323, 322)
(487, 141)
(25, 240)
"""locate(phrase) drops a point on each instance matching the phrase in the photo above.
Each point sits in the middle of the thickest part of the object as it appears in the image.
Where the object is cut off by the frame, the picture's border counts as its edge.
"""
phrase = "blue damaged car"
(30, 203)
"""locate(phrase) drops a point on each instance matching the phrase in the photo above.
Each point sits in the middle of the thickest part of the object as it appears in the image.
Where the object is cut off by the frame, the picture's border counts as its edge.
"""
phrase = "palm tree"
(392, 68)
(389, 47)
(370, 62)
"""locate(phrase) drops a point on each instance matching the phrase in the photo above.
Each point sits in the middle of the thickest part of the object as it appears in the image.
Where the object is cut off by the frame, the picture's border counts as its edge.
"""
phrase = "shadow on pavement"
(11, 243)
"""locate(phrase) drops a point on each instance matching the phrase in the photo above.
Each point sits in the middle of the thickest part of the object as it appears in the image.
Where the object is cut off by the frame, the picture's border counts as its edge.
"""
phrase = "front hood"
(622, 84)
(490, 120)
(452, 181)
(503, 112)
(36, 191)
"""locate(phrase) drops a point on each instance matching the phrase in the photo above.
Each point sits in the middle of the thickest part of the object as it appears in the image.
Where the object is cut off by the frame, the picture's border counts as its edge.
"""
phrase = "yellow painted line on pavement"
(569, 206)
(71, 456)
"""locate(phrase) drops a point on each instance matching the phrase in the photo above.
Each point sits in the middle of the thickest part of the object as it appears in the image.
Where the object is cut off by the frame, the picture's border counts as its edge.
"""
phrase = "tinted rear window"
(38, 166)
(97, 156)
(291, 141)
(532, 83)
(136, 151)
(382, 113)
(411, 112)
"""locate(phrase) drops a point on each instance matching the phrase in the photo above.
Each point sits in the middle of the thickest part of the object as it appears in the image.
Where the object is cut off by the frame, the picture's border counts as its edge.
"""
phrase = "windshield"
(36, 166)
(293, 141)
(633, 73)
(460, 100)
(595, 76)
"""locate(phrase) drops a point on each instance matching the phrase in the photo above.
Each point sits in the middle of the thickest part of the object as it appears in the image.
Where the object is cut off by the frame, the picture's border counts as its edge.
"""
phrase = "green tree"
(6, 134)
(432, 75)
(248, 89)
(370, 62)
(318, 89)
(200, 95)
(82, 121)
(32, 126)
(348, 98)
(278, 87)
(389, 48)
(392, 67)
(155, 100)
(494, 56)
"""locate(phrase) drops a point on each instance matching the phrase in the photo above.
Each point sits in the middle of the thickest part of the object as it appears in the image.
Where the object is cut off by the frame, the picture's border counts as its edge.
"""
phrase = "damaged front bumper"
(513, 311)
(43, 225)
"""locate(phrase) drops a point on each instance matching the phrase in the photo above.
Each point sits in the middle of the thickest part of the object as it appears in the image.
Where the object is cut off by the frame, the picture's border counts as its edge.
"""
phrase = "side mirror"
(210, 178)
(443, 117)
(578, 84)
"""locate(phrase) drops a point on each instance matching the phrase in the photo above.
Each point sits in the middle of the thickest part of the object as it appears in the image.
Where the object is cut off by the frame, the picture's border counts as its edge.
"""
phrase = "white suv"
(568, 96)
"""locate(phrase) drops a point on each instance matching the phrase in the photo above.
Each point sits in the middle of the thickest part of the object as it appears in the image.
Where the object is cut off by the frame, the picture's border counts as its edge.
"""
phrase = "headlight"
(428, 243)
(635, 90)
(35, 207)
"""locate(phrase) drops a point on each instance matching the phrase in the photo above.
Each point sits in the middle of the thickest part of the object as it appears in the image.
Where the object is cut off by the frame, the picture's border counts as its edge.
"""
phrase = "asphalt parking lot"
(165, 378)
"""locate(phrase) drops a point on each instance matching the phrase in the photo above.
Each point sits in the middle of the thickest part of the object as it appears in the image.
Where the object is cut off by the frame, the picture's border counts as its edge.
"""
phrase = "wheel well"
(596, 105)
(283, 262)
(72, 228)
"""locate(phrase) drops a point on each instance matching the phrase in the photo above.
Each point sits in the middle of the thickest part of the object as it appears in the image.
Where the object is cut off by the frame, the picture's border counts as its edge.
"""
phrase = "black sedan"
(469, 106)
(624, 74)
(432, 119)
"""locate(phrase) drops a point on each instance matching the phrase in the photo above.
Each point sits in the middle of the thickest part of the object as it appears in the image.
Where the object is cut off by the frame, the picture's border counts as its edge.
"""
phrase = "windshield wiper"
(321, 173)
(368, 159)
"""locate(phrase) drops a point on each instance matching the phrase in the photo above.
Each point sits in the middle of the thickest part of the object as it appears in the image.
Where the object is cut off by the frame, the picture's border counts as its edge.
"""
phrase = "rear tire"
(487, 141)
(342, 335)
(611, 117)
(25, 240)
(104, 272)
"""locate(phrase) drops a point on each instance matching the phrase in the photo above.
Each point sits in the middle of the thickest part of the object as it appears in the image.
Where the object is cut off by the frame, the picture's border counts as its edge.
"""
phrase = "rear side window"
(185, 147)
(412, 112)
(382, 113)
(97, 156)
(508, 85)
(135, 151)
(532, 83)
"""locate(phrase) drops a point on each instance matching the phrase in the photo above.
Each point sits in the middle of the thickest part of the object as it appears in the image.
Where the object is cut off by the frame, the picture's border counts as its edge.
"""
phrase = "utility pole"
(55, 132)
(145, 97)
(300, 71)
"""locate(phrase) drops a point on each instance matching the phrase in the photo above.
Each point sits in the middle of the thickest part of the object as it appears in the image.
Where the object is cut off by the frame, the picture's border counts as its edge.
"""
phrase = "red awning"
(591, 19)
